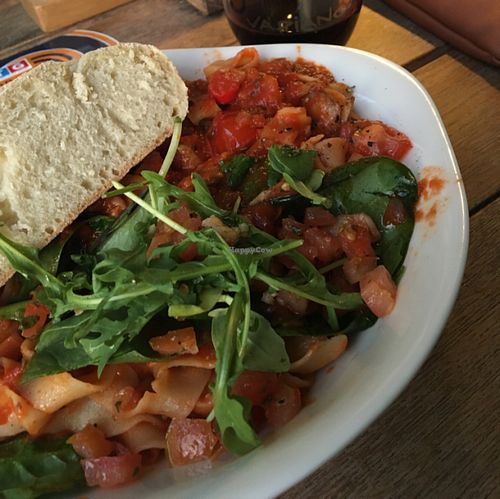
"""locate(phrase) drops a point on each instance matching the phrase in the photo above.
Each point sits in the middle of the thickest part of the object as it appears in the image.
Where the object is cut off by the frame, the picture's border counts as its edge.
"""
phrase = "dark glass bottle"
(282, 21)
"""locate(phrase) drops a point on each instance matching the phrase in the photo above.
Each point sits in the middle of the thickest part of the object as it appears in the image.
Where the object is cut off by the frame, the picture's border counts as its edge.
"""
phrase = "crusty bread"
(69, 129)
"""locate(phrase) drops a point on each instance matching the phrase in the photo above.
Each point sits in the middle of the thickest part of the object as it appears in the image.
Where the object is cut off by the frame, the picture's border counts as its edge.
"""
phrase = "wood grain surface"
(441, 438)
(467, 95)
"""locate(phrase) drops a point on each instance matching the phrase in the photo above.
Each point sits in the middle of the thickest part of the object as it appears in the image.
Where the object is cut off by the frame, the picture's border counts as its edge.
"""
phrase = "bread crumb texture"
(69, 129)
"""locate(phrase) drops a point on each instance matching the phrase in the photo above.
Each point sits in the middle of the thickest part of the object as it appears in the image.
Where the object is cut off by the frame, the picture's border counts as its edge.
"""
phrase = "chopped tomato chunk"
(10, 340)
(234, 131)
(378, 139)
(111, 471)
(224, 85)
(260, 91)
(378, 291)
(255, 386)
(284, 405)
(190, 441)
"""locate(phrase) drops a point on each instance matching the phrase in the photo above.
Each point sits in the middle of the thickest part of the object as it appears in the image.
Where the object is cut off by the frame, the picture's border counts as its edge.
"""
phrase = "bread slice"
(69, 129)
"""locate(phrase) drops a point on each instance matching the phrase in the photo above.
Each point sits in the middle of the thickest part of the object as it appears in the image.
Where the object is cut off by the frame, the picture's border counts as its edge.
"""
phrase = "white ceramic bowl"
(379, 364)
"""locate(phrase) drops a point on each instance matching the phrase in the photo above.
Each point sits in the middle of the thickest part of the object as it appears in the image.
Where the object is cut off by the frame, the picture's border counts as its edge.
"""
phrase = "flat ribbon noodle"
(145, 435)
(176, 391)
(314, 353)
(22, 417)
(50, 393)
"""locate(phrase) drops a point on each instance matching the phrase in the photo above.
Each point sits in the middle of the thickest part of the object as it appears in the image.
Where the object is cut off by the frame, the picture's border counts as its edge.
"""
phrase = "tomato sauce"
(430, 188)
(245, 105)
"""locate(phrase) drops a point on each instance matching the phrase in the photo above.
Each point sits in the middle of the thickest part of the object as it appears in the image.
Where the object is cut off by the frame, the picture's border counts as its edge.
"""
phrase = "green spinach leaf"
(30, 468)
(236, 169)
(367, 186)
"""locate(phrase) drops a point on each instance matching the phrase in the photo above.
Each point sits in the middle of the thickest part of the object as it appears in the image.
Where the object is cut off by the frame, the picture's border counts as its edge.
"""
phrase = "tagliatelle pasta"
(193, 306)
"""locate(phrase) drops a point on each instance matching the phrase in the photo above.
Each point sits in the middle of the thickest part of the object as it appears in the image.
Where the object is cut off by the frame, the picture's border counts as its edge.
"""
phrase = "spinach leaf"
(297, 168)
(367, 186)
(236, 169)
(30, 468)
(296, 163)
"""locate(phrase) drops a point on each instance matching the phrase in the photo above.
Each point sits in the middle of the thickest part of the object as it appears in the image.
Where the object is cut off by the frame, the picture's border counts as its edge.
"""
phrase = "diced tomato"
(378, 139)
(378, 291)
(35, 310)
(198, 143)
(276, 66)
(259, 91)
(255, 386)
(166, 235)
(264, 216)
(290, 229)
(10, 340)
(91, 443)
(284, 405)
(152, 161)
(224, 85)
(234, 131)
(111, 207)
(357, 267)
(210, 171)
(320, 246)
(186, 159)
(295, 88)
(190, 440)
(12, 374)
(315, 216)
(111, 471)
(356, 240)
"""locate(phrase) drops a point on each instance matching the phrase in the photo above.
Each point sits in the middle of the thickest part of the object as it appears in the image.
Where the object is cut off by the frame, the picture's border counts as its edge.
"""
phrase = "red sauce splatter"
(430, 186)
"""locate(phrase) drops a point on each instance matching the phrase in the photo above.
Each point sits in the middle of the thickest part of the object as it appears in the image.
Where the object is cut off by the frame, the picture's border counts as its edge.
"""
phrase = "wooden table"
(441, 437)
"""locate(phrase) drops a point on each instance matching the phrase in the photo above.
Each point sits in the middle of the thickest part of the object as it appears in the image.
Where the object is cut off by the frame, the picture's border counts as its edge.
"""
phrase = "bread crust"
(149, 58)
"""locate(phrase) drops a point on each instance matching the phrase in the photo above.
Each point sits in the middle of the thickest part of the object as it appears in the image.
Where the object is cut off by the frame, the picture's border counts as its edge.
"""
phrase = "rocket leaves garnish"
(100, 309)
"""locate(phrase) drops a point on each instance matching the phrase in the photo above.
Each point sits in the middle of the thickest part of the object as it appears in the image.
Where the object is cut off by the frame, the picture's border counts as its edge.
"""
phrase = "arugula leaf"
(200, 200)
(208, 298)
(367, 186)
(26, 261)
(30, 468)
(236, 169)
(230, 413)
